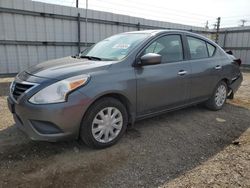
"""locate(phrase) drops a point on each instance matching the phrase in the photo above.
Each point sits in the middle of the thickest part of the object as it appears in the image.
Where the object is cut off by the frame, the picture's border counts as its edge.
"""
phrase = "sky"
(189, 12)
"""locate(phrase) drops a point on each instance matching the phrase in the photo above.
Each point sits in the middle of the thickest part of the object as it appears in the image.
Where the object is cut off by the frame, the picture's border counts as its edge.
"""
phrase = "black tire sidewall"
(86, 126)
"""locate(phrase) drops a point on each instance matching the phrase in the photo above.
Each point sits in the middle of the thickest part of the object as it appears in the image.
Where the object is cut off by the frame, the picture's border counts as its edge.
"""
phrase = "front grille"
(19, 88)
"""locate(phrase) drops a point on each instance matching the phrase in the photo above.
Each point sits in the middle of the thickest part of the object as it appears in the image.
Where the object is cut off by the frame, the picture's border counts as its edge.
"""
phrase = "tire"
(97, 124)
(215, 103)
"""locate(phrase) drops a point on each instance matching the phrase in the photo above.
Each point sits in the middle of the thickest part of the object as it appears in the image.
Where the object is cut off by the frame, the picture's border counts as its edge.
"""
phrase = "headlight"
(58, 91)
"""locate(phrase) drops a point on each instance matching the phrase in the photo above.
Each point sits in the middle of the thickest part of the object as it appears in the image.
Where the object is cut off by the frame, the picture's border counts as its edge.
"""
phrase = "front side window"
(211, 49)
(197, 47)
(115, 47)
(169, 47)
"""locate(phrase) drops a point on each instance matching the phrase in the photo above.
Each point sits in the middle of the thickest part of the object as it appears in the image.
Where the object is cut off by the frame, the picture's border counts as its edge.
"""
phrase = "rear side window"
(211, 49)
(169, 47)
(197, 47)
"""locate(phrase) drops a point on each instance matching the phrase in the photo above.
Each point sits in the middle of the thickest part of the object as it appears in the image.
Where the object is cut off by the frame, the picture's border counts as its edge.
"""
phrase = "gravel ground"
(193, 147)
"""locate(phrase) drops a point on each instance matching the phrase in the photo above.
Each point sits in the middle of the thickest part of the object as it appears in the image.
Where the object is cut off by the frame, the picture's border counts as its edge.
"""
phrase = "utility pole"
(217, 30)
(206, 26)
(86, 22)
(215, 25)
(243, 22)
(78, 28)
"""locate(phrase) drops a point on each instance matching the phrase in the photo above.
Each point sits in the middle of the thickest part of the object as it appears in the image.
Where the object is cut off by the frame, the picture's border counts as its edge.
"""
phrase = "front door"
(163, 85)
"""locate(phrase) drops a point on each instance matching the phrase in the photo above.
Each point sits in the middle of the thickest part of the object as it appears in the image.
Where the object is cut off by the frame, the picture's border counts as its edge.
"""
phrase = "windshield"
(116, 47)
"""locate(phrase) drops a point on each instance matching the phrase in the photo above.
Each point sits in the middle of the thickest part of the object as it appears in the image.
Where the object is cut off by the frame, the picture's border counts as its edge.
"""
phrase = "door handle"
(217, 67)
(182, 72)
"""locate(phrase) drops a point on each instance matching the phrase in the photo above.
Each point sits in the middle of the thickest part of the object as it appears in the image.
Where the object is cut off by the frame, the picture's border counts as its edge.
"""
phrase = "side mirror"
(150, 59)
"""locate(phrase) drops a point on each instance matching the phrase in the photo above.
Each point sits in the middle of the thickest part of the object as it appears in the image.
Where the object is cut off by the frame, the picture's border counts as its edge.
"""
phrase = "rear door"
(163, 85)
(205, 68)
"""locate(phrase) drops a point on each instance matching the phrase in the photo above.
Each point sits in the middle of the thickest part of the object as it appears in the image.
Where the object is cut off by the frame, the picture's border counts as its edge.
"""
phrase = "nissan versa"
(96, 94)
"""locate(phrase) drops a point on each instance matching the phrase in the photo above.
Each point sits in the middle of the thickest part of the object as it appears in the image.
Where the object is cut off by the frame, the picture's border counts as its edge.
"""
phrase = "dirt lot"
(193, 147)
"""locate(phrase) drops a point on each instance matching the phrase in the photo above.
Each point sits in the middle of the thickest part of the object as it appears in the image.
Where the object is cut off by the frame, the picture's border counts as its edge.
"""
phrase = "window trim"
(204, 40)
(184, 55)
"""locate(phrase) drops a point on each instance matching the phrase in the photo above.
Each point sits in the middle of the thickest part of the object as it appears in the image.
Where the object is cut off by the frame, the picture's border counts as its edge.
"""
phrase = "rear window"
(197, 47)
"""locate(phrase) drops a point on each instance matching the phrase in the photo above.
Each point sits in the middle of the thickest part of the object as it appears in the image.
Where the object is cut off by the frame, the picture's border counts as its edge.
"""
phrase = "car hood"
(66, 67)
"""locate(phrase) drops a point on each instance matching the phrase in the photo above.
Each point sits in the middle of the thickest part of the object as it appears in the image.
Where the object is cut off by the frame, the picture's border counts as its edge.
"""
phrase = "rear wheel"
(104, 123)
(219, 97)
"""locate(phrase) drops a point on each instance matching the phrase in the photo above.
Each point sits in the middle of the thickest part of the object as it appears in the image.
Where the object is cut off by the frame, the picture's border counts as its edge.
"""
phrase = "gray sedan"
(95, 95)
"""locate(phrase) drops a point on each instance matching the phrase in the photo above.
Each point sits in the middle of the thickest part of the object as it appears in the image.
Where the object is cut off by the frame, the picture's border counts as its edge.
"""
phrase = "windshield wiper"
(91, 57)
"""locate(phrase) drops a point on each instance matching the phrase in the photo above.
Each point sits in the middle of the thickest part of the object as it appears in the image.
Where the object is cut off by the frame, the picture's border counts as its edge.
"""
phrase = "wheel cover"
(220, 95)
(107, 124)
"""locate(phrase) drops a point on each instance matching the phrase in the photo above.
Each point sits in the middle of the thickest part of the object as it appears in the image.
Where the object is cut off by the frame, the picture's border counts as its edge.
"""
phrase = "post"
(139, 26)
(225, 39)
(79, 32)
(77, 3)
(86, 24)
(243, 22)
(217, 30)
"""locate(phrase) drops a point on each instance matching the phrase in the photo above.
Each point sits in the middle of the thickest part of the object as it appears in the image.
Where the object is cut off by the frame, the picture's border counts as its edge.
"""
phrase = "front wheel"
(104, 123)
(219, 97)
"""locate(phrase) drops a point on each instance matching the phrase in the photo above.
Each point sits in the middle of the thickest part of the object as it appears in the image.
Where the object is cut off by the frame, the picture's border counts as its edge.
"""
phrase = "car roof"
(162, 31)
(157, 31)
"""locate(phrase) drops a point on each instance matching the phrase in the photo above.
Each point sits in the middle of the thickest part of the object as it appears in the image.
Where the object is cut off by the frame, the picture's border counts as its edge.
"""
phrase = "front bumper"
(50, 122)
